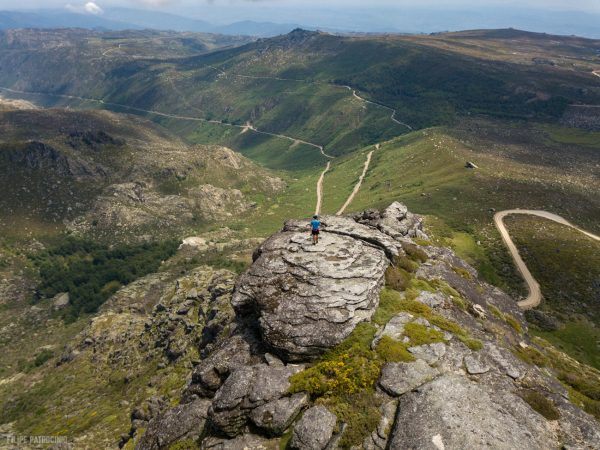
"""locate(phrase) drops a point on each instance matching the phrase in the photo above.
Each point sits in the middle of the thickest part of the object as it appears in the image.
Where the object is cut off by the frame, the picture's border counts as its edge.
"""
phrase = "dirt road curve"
(535, 295)
(320, 188)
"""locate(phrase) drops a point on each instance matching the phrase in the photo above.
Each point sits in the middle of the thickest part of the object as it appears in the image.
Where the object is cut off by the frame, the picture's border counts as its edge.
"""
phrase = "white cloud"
(156, 2)
(88, 8)
(92, 8)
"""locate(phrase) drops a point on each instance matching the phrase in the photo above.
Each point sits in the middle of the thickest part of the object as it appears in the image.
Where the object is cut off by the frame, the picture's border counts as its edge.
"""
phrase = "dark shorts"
(315, 232)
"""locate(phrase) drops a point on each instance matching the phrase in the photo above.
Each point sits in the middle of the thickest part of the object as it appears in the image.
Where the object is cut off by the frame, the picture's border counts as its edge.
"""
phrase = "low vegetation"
(582, 381)
(540, 404)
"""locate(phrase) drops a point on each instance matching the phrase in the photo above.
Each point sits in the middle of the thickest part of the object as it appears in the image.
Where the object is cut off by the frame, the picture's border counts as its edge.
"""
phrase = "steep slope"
(88, 376)
(331, 343)
(355, 367)
(105, 174)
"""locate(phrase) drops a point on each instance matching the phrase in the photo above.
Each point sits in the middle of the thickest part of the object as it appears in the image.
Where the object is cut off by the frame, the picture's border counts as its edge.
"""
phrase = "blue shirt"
(315, 224)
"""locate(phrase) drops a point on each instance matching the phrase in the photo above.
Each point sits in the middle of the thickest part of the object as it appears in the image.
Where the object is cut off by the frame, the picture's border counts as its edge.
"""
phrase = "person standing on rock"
(315, 225)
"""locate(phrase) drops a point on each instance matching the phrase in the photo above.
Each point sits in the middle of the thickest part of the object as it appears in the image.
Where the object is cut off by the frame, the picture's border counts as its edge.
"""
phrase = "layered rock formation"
(461, 376)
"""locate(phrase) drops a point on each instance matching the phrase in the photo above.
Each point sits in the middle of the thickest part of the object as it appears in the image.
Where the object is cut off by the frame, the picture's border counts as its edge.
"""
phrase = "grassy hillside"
(567, 265)
(430, 80)
(522, 166)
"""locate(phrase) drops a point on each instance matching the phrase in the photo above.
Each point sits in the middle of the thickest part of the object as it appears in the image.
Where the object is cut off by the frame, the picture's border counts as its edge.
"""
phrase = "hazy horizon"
(553, 16)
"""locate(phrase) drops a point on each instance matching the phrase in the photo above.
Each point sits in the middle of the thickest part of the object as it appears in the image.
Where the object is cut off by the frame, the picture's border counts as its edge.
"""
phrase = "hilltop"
(105, 174)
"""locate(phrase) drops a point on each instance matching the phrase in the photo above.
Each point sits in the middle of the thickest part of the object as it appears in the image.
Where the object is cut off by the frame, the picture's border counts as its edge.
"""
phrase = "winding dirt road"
(535, 294)
(354, 94)
(320, 189)
(245, 128)
(392, 117)
(358, 184)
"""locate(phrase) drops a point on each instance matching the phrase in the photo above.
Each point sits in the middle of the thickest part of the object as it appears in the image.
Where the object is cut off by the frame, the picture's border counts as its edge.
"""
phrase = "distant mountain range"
(265, 23)
(123, 19)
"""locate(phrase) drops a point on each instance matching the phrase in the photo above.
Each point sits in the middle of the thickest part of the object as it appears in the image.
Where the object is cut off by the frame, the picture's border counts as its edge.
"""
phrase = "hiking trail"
(320, 189)
(358, 184)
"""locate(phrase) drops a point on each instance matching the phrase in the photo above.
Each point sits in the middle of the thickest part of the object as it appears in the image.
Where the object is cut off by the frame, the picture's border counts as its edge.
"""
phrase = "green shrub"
(540, 404)
(531, 356)
(514, 323)
(460, 303)
(423, 242)
(284, 440)
(586, 385)
(405, 263)
(187, 444)
(344, 380)
(349, 368)
(444, 287)
(496, 312)
(391, 350)
(42, 357)
(462, 272)
(419, 284)
(360, 412)
(397, 278)
(587, 404)
(346, 374)
(420, 335)
(472, 343)
(415, 252)
(390, 302)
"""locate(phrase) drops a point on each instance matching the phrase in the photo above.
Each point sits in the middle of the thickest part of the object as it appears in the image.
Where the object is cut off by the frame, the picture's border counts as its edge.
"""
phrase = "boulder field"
(461, 379)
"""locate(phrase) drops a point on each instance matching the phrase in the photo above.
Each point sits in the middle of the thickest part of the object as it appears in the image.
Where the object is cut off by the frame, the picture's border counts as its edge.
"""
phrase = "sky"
(554, 16)
(197, 5)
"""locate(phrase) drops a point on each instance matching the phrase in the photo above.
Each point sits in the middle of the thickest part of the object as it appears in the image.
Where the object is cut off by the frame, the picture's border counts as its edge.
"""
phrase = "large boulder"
(247, 388)
(396, 221)
(275, 417)
(454, 412)
(208, 376)
(314, 430)
(182, 422)
(308, 298)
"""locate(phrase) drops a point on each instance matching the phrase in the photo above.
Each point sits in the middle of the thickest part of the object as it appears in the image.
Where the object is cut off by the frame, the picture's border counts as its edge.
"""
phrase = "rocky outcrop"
(308, 298)
(451, 374)
(39, 156)
(395, 220)
(582, 116)
(215, 203)
(246, 389)
(138, 205)
(275, 417)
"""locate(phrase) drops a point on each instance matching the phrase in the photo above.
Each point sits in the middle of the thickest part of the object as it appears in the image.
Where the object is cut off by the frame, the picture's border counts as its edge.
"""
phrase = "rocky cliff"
(373, 338)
